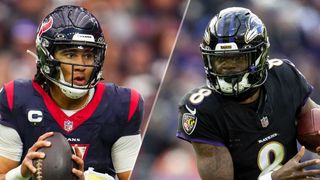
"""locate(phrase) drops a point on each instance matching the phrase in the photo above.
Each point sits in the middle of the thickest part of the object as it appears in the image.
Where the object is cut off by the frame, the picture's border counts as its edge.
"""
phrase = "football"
(308, 129)
(57, 163)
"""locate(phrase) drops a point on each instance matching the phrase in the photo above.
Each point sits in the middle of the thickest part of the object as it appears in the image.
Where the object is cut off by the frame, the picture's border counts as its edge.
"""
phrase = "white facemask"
(228, 88)
(70, 92)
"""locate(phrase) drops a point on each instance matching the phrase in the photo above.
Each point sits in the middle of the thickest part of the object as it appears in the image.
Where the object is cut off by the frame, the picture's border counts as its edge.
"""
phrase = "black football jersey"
(112, 113)
(259, 139)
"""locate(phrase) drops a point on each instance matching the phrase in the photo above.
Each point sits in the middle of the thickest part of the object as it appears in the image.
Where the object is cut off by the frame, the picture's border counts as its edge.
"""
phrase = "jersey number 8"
(198, 97)
(264, 157)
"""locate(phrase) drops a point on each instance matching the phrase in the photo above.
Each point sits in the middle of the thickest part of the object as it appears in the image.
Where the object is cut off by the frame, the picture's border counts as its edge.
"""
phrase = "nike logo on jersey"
(193, 112)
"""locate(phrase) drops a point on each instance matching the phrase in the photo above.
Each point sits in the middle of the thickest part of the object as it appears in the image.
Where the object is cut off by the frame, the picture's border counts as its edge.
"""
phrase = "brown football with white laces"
(57, 163)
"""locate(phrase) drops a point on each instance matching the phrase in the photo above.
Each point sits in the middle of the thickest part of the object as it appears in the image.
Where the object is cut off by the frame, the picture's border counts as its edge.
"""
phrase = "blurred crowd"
(294, 33)
(139, 33)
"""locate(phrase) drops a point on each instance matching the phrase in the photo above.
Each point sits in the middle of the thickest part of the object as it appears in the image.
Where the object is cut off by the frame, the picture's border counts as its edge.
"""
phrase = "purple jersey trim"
(306, 97)
(205, 141)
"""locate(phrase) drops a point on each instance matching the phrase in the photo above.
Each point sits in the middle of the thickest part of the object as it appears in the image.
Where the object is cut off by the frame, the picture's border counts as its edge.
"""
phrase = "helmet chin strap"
(70, 92)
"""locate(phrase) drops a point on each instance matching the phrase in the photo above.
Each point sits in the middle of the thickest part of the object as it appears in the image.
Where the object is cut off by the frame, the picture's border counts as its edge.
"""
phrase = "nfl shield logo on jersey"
(189, 122)
(68, 125)
(264, 122)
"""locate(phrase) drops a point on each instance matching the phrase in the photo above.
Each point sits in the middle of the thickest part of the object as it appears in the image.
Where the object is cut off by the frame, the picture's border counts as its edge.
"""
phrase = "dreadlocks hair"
(41, 80)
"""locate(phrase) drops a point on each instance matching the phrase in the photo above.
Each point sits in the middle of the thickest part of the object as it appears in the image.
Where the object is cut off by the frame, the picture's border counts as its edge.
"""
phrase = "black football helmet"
(69, 26)
(239, 35)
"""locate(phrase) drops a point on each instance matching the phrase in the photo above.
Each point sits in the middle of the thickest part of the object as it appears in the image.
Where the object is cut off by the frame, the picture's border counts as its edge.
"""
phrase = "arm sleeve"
(135, 115)
(125, 152)
(299, 85)
(197, 127)
(10, 143)
(7, 117)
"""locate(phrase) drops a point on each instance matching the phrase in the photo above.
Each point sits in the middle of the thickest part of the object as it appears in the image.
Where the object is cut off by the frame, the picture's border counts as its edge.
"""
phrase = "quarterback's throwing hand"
(293, 169)
(27, 167)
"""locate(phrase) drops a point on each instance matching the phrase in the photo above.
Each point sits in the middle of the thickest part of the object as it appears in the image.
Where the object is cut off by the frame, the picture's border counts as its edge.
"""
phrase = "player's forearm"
(14, 174)
(6, 165)
(124, 175)
(213, 162)
(211, 169)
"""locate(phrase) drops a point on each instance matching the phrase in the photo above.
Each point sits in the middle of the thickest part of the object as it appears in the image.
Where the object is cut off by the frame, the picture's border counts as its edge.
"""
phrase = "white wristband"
(266, 176)
(15, 174)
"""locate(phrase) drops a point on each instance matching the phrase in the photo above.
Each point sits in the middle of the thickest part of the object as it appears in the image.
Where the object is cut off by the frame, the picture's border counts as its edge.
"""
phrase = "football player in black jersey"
(101, 121)
(242, 124)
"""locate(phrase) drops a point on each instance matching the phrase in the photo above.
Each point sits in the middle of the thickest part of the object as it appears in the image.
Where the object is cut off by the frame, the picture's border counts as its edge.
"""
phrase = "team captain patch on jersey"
(253, 132)
(113, 112)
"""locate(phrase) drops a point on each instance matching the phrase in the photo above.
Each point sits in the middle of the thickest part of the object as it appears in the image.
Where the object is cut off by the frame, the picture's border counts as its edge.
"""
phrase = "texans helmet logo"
(45, 26)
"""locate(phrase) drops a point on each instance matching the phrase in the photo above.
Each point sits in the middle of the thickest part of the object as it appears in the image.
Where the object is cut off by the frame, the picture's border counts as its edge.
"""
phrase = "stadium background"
(294, 32)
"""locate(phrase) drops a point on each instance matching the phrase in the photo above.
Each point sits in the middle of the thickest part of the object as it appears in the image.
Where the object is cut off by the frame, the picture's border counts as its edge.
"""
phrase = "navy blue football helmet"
(69, 26)
(235, 35)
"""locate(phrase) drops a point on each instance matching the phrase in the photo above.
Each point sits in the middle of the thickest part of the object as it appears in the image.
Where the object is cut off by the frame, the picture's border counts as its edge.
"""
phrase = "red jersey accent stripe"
(134, 100)
(79, 117)
(9, 87)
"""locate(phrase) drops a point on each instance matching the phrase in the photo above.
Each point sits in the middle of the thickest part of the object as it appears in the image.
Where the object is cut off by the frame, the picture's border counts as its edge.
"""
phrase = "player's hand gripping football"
(27, 167)
(77, 158)
(294, 169)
